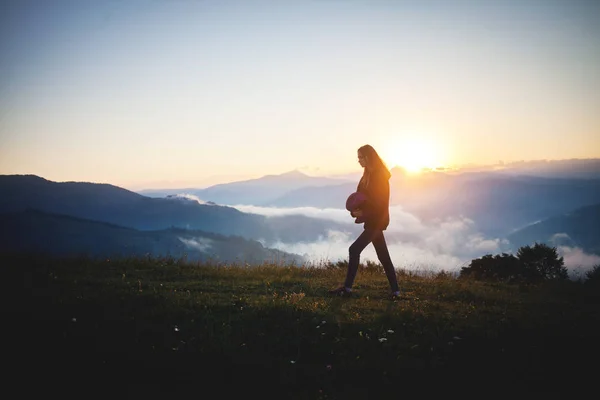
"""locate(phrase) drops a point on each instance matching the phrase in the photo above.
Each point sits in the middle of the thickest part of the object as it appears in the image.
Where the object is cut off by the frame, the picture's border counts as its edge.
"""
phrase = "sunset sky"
(164, 93)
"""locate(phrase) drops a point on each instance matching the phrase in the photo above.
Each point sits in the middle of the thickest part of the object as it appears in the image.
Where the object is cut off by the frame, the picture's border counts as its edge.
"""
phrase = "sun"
(414, 154)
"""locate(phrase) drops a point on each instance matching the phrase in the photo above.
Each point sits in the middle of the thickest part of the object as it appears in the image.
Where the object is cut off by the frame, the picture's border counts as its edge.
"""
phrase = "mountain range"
(112, 204)
(519, 208)
(120, 221)
(261, 191)
(497, 202)
(37, 231)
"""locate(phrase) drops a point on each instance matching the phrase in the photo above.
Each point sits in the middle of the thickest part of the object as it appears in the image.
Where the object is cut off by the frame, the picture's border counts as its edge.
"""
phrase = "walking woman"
(375, 213)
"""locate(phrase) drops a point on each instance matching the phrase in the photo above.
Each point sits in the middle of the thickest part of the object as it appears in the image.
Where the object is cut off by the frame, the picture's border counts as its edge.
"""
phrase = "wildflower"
(323, 322)
(176, 329)
(456, 338)
(73, 319)
(318, 326)
(381, 340)
(292, 362)
(390, 331)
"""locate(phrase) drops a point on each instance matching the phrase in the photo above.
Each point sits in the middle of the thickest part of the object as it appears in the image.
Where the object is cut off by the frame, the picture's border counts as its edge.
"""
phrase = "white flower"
(292, 362)
(176, 329)
(390, 331)
(382, 340)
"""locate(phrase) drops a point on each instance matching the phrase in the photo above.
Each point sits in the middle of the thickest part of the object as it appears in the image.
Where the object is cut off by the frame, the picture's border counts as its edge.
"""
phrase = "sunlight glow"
(414, 154)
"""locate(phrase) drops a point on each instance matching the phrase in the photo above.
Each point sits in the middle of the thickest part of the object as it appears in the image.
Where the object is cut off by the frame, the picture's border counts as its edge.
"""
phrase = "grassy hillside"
(154, 326)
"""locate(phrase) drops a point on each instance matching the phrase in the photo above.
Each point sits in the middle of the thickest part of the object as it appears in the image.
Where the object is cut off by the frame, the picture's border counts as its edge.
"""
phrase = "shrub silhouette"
(505, 267)
(532, 264)
(541, 262)
(593, 276)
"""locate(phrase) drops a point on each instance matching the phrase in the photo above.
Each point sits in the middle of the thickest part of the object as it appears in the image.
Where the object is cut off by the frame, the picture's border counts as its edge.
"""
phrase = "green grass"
(159, 325)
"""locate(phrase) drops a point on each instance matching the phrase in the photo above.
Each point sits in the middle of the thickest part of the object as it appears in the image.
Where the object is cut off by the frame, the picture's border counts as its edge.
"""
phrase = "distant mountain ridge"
(497, 203)
(108, 203)
(37, 231)
(259, 191)
(578, 228)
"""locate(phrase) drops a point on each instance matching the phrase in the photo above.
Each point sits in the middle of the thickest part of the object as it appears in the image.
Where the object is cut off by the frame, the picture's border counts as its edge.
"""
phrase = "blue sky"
(167, 93)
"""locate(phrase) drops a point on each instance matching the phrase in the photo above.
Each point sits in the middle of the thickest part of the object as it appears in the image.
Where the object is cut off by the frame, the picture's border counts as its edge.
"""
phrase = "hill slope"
(107, 203)
(36, 231)
(579, 228)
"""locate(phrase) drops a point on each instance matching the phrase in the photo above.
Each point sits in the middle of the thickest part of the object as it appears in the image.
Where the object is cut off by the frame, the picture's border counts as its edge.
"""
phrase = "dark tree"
(593, 276)
(541, 262)
(532, 264)
(505, 267)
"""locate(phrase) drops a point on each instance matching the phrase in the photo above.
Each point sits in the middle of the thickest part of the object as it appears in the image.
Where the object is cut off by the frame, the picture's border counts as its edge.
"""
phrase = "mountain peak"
(294, 174)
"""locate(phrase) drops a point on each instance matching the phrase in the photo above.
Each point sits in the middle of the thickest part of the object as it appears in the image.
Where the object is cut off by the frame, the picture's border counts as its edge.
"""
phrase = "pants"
(368, 236)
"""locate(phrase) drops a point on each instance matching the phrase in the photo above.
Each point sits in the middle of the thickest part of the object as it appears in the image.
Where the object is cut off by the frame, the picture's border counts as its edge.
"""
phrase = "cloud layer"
(443, 244)
(577, 261)
(202, 244)
(447, 244)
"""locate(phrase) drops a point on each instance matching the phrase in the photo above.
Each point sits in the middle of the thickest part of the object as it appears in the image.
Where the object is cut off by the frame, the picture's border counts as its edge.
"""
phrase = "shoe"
(341, 291)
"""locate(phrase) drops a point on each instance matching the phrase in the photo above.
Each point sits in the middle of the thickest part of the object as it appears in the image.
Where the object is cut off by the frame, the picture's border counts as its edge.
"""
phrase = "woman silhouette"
(376, 216)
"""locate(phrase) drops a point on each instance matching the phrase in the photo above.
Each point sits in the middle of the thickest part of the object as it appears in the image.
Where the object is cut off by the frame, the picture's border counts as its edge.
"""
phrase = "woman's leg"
(355, 249)
(384, 258)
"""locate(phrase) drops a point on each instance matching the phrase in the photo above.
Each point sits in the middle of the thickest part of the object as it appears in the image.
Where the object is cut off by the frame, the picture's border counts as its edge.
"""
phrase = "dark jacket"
(376, 210)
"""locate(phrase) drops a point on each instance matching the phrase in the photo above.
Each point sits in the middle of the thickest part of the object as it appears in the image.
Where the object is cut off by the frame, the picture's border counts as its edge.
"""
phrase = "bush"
(505, 267)
(532, 264)
(593, 275)
(541, 262)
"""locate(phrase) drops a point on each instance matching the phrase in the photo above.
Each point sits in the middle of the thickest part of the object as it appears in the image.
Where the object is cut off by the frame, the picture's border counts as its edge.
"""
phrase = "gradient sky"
(164, 93)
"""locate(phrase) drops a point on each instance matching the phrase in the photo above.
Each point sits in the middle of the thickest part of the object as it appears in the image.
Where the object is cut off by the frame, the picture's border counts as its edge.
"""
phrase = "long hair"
(374, 162)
